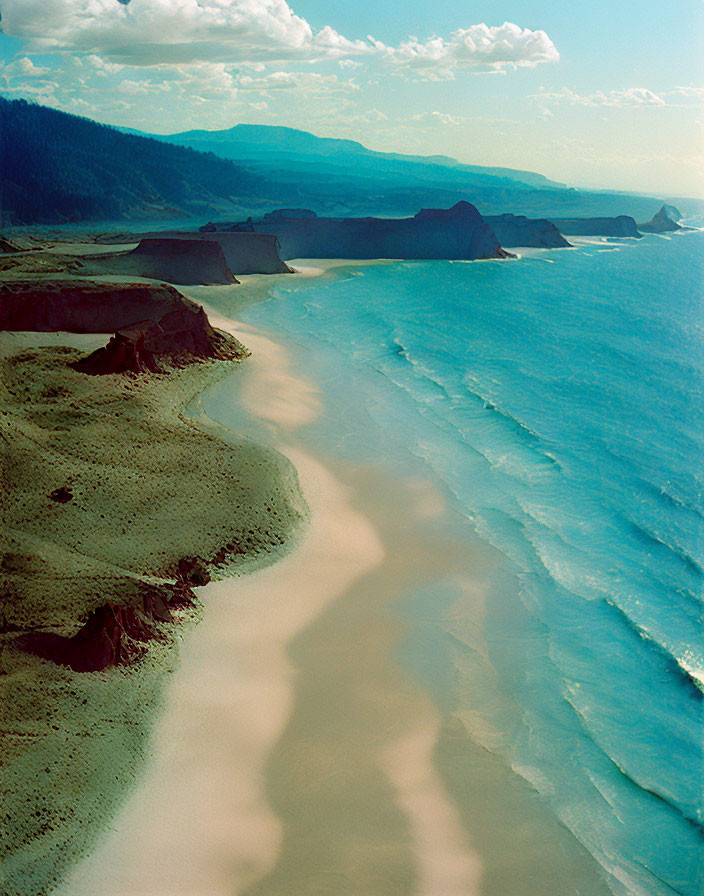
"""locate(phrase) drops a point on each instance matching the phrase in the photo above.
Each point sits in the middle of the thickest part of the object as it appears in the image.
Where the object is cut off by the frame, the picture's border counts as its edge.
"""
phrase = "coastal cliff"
(621, 226)
(456, 233)
(82, 306)
(184, 262)
(513, 231)
(149, 321)
(244, 253)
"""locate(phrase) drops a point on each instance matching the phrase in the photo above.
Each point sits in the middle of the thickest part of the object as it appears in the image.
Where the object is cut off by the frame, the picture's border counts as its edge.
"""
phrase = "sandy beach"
(221, 805)
(296, 752)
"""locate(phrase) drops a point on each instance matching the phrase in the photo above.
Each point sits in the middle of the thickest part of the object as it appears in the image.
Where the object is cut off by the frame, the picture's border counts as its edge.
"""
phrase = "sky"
(592, 94)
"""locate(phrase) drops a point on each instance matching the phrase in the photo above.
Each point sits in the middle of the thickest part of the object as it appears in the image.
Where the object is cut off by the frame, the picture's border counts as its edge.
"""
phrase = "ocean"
(557, 401)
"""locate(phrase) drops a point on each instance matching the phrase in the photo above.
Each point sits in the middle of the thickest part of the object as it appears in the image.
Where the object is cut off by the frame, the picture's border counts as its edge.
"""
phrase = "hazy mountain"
(343, 177)
(255, 144)
(58, 168)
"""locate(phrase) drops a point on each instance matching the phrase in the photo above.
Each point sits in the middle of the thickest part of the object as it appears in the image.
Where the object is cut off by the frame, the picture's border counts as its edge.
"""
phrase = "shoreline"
(312, 751)
(234, 696)
(229, 700)
(76, 741)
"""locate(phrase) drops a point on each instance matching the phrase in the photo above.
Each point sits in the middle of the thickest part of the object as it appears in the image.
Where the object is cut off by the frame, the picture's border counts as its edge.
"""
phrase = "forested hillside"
(57, 168)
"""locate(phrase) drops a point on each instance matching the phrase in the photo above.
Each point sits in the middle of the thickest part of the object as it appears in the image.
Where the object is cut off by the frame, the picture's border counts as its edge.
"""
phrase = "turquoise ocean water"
(558, 400)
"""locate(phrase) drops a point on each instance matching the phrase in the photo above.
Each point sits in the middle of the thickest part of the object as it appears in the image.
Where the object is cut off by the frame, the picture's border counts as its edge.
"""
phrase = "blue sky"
(605, 93)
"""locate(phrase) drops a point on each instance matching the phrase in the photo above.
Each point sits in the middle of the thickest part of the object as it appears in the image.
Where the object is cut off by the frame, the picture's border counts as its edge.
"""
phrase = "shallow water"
(559, 406)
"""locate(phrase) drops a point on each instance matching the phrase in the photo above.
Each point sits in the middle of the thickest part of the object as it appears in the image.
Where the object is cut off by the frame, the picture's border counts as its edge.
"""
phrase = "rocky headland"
(514, 231)
(184, 262)
(456, 233)
(620, 226)
(244, 253)
(664, 221)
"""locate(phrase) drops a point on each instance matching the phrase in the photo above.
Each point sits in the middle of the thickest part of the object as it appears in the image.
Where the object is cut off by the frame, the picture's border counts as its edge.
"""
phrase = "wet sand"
(298, 752)
(233, 800)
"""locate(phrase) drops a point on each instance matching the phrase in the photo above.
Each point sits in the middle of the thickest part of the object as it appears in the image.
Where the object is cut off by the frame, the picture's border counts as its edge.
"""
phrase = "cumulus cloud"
(631, 96)
(480, 46)
(155, 31)
(152, 32)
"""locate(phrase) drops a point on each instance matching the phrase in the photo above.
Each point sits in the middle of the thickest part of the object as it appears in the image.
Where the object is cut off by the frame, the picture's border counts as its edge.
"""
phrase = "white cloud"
(153, 31)
(307, 82)
(150, 32)
(631, 96)
(479, 46)
(435, 118)
(24, 68)
(688, 91)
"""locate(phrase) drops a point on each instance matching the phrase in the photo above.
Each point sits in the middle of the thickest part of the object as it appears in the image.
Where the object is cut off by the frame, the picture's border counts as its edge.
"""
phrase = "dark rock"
(62, 495)
(459, 232)
(193, 571)
(149, 321)
(156, 605)
(107, 639)
(517, 230)
(244, 252)
(621, 226)
(122, 354)
(663, 222)
(186, 262)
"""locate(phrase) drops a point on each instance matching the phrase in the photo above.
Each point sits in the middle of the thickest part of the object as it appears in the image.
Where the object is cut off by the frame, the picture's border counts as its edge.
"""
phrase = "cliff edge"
(513, 231)
(459, 232)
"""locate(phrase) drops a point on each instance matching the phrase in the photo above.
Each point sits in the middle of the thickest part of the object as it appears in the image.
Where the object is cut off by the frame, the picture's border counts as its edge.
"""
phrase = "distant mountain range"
(265, 145)
(58, 168)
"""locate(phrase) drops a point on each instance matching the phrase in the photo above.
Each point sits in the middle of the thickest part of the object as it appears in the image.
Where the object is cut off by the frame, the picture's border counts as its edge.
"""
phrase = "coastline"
(233, 696)
(76, 742)
(301, 742)
(296, 750)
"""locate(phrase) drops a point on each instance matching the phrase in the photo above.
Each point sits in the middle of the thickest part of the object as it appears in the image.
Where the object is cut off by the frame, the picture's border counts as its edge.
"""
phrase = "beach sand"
(215, 806)
(148, 487)
(296, 751)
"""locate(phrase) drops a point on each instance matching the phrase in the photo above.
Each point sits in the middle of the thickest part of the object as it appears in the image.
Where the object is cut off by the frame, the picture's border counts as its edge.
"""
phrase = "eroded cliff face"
(244, 252)
(185, 262)
(150, 322)
(456, 233)
(621, 226)
(82, 306)
(513, 231)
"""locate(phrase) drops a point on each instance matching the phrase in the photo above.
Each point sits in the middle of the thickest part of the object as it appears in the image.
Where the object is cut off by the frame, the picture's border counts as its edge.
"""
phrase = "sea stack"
(664, 221)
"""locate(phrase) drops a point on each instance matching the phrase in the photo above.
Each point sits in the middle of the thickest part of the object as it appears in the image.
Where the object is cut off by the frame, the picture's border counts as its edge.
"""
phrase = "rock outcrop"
(125, 353)
(82, 306)
(116, 635)
(665, 221)
(6, 247)
(621, 226)
(150, 321)
(181, 335)
(513, 231)
(456, 233)
(185, 262)
(244, 252)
